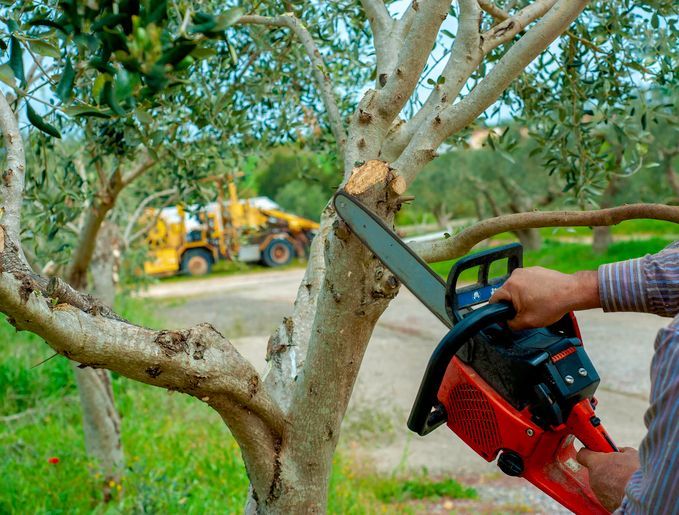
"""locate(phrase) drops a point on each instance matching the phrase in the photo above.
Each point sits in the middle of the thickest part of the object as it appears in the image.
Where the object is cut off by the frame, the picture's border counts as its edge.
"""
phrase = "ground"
(246, 308)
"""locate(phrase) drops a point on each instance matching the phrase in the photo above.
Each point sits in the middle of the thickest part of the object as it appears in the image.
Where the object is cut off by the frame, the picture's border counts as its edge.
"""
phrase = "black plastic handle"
(460, 300)
(422, 419)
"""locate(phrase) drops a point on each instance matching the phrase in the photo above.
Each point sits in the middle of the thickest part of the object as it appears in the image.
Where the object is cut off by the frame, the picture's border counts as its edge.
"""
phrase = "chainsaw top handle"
(460, 300)
(427, 414)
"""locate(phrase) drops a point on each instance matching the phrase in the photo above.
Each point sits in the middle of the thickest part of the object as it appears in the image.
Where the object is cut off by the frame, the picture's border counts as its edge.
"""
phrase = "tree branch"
(318, 67)
(463, 242)
(502, 15)
(438, 127)
(378, 109)
(469, 49)
(415, 50)
(384, 37)
(12, 183)
(377, 15)
(465, 57)
(147, 162)
(198, 361)
(515, 24)
(492, 9)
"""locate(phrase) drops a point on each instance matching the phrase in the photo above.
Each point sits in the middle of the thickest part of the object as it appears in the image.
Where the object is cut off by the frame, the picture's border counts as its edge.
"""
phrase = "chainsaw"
(522, 397)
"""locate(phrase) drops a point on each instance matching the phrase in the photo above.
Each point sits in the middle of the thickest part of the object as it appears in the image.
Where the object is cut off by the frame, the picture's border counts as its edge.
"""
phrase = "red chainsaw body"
(490, 425)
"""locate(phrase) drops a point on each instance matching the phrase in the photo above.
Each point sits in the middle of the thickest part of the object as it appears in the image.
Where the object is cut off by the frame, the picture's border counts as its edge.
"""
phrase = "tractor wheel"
(196, 262)
(278, 253)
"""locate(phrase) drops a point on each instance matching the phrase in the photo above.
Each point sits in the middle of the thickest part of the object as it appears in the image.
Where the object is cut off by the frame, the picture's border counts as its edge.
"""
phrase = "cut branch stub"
(375, 183)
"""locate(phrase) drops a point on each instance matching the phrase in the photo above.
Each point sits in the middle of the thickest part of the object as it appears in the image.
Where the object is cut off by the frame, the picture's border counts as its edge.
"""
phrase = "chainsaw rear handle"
(422, 419)
(460, 300)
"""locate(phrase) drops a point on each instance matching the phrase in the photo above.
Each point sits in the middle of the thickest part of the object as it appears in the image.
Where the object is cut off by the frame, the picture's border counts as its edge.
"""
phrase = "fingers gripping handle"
(553, 466)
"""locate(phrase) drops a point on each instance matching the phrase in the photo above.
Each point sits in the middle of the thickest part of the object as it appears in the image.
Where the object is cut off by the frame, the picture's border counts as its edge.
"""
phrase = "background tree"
(487, 182)
(300, 181)
(104, 69)
(287, 423)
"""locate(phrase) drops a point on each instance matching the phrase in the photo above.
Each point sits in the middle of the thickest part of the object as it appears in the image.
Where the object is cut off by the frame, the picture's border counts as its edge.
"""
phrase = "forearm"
(585, 291)
(649, 284)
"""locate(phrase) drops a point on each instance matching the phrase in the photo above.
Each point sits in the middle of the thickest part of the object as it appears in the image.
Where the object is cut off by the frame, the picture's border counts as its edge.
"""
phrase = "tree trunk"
(602, 236)
(671, 175)
(478, 206)
(529, 238)
(602, 239)
(101, 425)
(442, 217)
(101, 421)
(344, 291)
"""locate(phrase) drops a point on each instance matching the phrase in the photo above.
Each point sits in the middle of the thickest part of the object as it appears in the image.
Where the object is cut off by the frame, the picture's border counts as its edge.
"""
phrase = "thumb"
(586, 457)
(500, 295)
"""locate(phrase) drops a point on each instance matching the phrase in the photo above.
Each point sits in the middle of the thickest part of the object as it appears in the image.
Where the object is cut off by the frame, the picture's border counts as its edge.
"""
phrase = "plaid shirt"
(651, 284)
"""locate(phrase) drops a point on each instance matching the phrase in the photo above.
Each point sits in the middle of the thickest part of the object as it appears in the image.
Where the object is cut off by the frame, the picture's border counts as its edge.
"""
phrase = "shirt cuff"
(622, 286)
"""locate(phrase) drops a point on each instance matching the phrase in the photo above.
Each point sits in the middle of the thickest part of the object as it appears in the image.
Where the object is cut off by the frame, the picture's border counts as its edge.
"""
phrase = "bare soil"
(247, 308)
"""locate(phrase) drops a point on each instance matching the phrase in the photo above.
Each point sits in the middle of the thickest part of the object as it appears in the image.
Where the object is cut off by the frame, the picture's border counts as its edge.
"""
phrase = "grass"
(572, 257)
(180, 456)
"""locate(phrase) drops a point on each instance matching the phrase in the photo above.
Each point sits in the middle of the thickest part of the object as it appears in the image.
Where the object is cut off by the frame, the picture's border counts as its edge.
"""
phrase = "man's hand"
(541, 296)
(609, 473)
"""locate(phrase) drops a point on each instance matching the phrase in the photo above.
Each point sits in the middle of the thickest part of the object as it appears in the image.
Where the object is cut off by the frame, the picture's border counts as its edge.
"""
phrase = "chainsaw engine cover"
(541, 369)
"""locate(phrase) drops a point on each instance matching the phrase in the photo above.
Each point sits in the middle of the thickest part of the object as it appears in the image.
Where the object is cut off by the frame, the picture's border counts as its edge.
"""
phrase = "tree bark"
(101, 421)
(314, 366)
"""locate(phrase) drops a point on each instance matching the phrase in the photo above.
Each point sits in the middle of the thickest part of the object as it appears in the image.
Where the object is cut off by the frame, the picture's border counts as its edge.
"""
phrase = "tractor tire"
(196, 262)
(278, 252)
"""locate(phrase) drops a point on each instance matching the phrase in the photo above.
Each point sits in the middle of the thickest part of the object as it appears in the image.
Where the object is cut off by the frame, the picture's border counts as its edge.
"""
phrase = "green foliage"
(112, 57)
(457, 183)
(591, 100)
(449, 186)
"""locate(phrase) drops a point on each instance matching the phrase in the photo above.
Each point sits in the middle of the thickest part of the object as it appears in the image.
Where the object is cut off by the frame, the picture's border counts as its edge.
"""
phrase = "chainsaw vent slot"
(470, 414)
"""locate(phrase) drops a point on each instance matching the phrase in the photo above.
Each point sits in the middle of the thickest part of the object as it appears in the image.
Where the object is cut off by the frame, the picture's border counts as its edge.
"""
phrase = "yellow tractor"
(190, 240)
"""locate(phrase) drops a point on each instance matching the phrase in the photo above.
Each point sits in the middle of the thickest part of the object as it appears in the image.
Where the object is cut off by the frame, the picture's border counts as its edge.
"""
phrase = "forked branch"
(505, 31)
(450, 120)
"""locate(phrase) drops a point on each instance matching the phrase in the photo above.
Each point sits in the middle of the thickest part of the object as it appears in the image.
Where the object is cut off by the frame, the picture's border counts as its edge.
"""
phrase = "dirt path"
(246, 309)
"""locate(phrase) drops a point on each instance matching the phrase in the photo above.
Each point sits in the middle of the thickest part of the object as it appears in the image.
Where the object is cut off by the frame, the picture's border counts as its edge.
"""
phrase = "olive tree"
(98, 76)
(287, 421)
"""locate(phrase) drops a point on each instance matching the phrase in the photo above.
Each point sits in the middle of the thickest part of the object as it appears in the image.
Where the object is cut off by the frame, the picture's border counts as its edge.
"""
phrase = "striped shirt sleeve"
(649, 284)
(653, 488)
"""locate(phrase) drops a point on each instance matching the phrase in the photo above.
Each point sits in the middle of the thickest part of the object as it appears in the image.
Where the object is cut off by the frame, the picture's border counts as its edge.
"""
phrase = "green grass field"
(180, 456)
